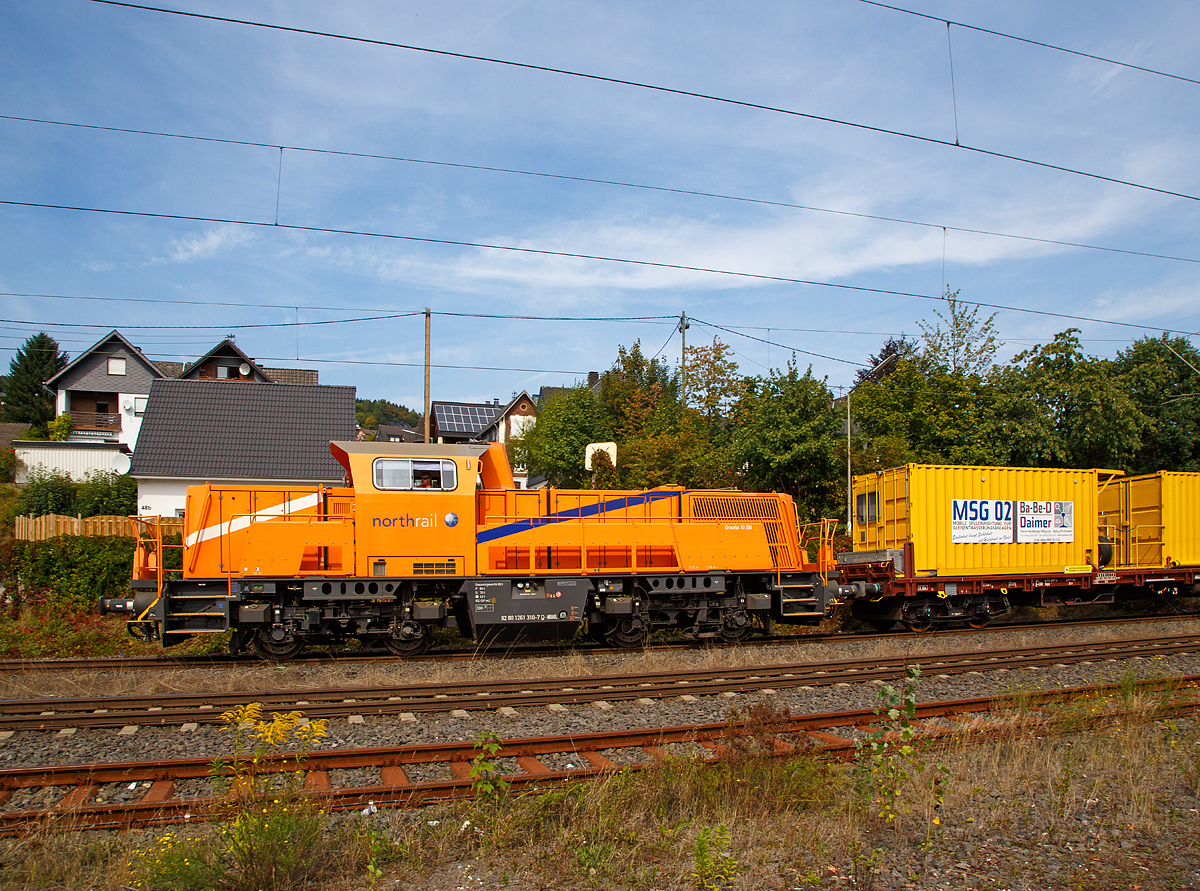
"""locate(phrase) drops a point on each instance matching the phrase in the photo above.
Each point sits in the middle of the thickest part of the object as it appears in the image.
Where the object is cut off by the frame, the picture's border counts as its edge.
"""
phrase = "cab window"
(410, 473)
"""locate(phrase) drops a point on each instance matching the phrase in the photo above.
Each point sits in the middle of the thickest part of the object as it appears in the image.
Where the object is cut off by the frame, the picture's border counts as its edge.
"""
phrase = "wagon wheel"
(276, 650)
(920, 626)
(629, 632)
(979, 622)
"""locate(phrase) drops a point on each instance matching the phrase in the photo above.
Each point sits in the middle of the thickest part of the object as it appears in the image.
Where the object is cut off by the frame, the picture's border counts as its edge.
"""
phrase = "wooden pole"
(683, 326)
(427, 318)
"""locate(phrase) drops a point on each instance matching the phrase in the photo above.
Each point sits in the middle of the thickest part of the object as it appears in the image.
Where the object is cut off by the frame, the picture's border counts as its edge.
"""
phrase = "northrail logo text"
(407, 521)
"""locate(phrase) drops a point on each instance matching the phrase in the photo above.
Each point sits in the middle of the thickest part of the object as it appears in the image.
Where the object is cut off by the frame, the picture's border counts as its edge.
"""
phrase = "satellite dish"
(244, 369)
(127, 404)
(120, 463)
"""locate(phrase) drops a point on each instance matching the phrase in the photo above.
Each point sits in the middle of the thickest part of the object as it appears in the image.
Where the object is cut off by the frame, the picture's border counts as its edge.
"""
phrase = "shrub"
(67, 573)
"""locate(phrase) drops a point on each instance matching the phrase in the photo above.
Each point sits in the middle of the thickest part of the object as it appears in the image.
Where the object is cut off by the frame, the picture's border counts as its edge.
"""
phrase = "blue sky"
(190, 282)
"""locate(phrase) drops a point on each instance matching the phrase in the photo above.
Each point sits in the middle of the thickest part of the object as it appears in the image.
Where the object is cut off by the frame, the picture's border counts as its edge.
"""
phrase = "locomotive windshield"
(409, 473)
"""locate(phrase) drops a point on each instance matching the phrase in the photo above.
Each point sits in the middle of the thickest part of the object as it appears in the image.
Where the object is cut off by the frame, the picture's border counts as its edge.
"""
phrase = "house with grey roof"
(460, 422)
(398, 433)
(105, 390)
(197, 431)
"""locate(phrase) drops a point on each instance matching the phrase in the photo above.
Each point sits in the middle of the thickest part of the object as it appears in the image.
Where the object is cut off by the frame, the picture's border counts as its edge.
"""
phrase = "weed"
(887, 759)
(486, 784)
(270, 836)
(713, 864)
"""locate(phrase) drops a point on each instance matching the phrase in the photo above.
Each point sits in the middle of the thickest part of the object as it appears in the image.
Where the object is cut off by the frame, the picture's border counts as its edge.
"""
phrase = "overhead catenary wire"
(291, 306)
(223, 327)
(697, 193)
(658, 88)
(574, 255)
(772, 343)
(1044, 45)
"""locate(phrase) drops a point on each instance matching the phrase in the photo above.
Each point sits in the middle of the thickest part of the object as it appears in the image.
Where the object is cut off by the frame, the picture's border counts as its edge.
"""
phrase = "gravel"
(966, 857)
(28, 748)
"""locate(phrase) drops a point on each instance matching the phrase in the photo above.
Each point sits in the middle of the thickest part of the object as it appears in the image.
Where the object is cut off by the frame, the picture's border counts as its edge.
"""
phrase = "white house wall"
(74, 461)
(159, 497)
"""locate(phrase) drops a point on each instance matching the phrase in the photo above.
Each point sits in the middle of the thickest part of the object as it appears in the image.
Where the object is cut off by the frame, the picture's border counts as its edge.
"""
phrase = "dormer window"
(116, 365)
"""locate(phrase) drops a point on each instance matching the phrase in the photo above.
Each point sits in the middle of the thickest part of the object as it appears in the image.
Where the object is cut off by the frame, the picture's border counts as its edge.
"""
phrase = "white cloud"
(208, 244)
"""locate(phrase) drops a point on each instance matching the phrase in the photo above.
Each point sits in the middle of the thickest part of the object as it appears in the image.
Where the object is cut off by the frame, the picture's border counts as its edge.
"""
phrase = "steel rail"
(166, 661)
(45, 714)
(78, 809)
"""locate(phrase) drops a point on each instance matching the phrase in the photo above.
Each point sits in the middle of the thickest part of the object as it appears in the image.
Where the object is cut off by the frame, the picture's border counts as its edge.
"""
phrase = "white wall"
(74, 460)
(159, 497)
(131, 422)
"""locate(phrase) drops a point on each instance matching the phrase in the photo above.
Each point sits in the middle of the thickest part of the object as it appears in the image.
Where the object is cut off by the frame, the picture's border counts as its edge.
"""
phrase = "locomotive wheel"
(414, 646)
(629, 632)
(276, 650)
(734, 631)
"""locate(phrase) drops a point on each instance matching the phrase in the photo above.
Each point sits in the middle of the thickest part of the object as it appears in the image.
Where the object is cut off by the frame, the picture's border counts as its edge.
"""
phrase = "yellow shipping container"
(1153, 520)
(965, 521)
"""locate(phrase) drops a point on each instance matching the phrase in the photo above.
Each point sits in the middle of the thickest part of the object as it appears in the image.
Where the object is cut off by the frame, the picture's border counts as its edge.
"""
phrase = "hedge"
(67, 573)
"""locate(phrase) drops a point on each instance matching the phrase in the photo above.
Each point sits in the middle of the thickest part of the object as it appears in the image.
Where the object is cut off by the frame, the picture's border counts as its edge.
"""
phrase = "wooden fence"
(53, 525)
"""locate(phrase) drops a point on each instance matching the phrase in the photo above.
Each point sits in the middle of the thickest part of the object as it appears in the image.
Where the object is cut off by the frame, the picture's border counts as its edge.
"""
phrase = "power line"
(1050, 46)
(670, 337)
(256, 305)
(680, 267)
(695, 193)
(780, 345)
(310, 359)
(930, 140)
(398, 315)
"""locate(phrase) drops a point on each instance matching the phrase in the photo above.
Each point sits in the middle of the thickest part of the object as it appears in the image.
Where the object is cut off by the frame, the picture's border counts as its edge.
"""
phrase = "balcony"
(94, 420)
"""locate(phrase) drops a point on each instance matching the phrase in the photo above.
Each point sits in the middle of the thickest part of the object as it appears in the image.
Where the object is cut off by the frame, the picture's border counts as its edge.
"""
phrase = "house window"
(139, 405)
(225, 372)
(101, 408)
(116, 365)
(180, 512)
(405, 473)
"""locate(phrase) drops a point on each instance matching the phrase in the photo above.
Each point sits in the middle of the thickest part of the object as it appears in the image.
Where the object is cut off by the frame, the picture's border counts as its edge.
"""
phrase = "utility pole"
(427, 318)
(683, 326)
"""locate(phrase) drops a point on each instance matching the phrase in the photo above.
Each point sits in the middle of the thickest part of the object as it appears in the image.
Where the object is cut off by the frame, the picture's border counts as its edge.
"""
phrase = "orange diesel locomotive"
(423, 536)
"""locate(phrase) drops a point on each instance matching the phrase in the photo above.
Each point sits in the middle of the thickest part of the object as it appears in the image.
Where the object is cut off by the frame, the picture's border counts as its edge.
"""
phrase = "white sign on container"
(1045, 521)
(987, 521)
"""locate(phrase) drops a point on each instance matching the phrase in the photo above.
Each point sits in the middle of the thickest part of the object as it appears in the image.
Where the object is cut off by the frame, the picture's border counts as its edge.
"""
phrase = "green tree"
(554, 445)
(924, 414)
(385, 412)
(26, 400)
(965, 345)
(1056, 407)
(882, 363)
(787, 438)
(713, 382)
(640, 395)
(1160, 376)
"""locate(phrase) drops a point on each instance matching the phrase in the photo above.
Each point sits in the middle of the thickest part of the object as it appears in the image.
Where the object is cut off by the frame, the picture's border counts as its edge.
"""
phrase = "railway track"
(81, 796)
(166, 661)
(410, 699)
